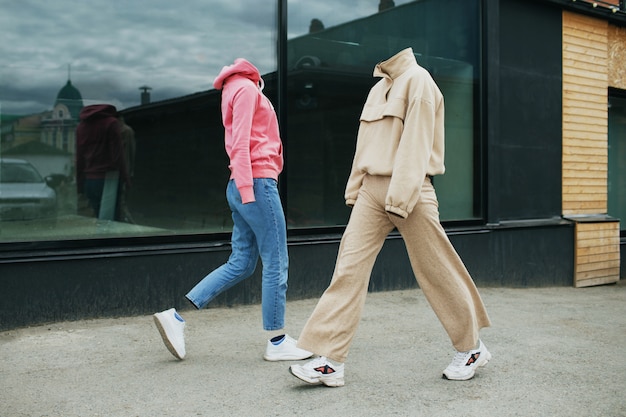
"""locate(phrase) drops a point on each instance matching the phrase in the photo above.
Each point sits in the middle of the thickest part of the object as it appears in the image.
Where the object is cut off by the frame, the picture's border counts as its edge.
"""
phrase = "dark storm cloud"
(114, 47)
(111, 48)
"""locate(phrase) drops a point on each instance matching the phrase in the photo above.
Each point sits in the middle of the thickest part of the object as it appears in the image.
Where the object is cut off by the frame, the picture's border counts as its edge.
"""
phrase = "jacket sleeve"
(353, 186)
(243, 107)
(412, 156)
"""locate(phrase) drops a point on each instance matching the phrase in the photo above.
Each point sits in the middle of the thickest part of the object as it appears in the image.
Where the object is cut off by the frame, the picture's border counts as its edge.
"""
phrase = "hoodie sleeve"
(243, 106)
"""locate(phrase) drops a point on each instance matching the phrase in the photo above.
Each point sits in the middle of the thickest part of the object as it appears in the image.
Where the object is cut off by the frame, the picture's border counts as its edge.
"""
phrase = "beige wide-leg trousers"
(439, 271)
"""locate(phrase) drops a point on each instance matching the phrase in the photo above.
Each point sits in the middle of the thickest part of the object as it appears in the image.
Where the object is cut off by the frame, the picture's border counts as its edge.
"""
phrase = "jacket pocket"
(392, 108)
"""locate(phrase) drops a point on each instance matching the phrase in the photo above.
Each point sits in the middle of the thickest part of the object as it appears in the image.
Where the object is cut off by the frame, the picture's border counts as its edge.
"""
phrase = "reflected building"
(45, 139)
(59, 125)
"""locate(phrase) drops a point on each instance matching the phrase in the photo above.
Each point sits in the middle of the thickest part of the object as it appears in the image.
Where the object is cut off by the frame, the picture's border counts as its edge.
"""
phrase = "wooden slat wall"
(597, 253)
(585, 148)
(585, 114)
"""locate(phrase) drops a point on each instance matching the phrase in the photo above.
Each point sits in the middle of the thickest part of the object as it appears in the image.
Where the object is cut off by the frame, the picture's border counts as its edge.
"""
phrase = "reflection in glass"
(155, 66)
(330, 74)
(24, 195)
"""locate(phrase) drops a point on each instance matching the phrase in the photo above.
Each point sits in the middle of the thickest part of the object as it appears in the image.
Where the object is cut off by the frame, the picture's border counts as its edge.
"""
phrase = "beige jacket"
(401, 133)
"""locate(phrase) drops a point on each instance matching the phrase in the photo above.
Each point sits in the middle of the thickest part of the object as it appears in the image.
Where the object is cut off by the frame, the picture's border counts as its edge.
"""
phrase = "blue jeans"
(259, 230)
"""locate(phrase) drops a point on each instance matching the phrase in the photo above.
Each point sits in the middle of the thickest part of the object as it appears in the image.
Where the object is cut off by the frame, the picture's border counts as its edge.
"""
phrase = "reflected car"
(24, 193)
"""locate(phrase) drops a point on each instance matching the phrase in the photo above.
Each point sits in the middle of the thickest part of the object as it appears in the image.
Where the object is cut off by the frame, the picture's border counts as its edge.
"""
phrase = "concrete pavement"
(556, 352)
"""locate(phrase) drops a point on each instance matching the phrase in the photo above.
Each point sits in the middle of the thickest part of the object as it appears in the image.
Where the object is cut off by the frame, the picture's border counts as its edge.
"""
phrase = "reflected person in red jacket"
(100, 158)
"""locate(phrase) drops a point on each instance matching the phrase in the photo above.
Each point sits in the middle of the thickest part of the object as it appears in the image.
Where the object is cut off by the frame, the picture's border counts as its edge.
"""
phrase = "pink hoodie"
(252, 138)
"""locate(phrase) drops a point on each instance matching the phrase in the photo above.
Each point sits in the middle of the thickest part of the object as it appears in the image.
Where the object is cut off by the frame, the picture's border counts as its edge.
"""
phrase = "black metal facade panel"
(622, 254)
(109, 286)
(525, 141)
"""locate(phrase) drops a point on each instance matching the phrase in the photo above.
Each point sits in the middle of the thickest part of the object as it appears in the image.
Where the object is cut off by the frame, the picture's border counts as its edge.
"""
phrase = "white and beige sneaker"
(464, 364)
(320, 371)
(172, 329)
(283, 348)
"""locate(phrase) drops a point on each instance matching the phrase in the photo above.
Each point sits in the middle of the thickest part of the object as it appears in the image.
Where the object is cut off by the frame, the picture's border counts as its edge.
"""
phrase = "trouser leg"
(271, 235)
(441, 274)
(241, 262)
(333, 324)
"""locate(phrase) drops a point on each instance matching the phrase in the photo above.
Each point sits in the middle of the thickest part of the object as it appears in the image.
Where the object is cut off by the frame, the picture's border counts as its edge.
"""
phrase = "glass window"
(154, 61)
(332, 50)
(617, 158)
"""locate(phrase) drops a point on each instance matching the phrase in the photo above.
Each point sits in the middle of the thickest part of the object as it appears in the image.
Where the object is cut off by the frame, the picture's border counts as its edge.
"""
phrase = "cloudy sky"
(110, 48)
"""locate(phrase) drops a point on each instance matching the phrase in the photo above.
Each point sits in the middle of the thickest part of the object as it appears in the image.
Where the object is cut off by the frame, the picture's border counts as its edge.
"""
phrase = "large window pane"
(155, 62)
(332, 50)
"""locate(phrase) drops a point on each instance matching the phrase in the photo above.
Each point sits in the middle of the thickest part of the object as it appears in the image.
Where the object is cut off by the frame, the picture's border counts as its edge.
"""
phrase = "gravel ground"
(556, 352)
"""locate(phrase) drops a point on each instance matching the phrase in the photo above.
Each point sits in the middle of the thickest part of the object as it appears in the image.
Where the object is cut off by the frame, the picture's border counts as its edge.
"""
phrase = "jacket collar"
(396, 65)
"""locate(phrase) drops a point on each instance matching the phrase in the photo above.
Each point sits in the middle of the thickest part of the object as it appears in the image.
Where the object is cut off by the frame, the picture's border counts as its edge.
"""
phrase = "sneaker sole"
(334, 382)
(481, 363)
(277, 358)
(163, 334)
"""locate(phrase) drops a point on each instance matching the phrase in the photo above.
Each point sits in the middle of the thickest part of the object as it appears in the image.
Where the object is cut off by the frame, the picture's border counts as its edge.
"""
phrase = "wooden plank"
(596, 269)
(585, 157)
(586, 226)
(610, 236)
(596, 251)
(575, 91)
(585, 166)
(586, 112)
(578, 77)
(582, 266)
(571, 209)
(600, 257)
(588, 201)
(578, 101)
(600, 272)
(572, 168)
(585, 207)
(579, 36)
(586, 23)
(571, 171)
(591, 226)
(597, 200)
(591, 194)
(590, 121)
(571, 50)
(582, 139)
(609, 279)
(595, 150)
(578, 133)
(584, 100)
(584, 182)
(582, 62)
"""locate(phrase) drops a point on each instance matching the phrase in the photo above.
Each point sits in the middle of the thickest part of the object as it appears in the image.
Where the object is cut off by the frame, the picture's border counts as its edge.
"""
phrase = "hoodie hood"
(97, 111)
(241, 67)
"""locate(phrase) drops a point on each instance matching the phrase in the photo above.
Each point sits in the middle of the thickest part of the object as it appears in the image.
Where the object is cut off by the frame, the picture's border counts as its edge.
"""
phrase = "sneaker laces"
(319, 361)
(460, 358)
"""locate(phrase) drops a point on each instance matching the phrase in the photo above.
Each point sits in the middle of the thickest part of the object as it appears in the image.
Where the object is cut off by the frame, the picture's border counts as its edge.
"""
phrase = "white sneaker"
(286, 350)
(464, 364)
(319, 371)
(171, 327)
